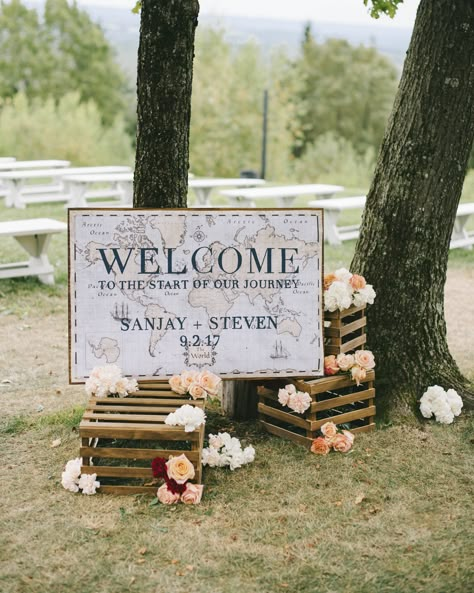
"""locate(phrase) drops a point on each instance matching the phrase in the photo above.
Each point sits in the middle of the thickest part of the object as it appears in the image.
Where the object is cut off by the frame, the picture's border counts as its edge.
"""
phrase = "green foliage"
(64, 51)
(333, 159)
(68, 129)
(342, 89)
(378, 7)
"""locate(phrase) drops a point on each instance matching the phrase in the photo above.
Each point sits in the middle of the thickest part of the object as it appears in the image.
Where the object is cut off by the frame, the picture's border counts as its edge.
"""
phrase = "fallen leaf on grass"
(359, 498)
(142, 551)
(58, 392)
(374, 510)
(55, 443)
(39, 408)
(141, 561)
(5, 382)
(175, 561)
(338, 503)
(189, 567)
(284, 585)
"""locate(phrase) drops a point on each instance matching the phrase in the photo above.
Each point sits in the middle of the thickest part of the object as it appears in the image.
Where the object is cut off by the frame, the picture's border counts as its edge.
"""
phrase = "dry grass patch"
(394, 515)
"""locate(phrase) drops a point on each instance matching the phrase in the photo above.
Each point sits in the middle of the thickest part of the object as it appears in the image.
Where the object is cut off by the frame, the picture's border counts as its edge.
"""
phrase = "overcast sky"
(339, 11)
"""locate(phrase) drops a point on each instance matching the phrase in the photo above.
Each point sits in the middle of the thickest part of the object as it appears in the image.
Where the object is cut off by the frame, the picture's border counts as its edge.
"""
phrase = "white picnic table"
(203, 186)
(19, 195)
(284, 195)
(34, 236)
(13, 165)
(335, 234)
(7, 159)
(122, 187)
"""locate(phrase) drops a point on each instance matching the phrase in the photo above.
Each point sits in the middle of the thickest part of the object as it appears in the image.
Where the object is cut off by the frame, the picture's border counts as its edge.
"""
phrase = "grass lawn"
(394, 515)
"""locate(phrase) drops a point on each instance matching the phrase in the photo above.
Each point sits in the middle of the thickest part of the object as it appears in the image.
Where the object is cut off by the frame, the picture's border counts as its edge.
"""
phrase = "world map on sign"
(237, 292)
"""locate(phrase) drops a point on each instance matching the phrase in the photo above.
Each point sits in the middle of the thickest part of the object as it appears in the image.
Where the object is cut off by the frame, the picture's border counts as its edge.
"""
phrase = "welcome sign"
(238, 292)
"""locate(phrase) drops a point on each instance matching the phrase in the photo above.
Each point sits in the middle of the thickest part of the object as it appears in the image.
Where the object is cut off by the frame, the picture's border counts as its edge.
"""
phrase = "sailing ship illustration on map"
(279, 351)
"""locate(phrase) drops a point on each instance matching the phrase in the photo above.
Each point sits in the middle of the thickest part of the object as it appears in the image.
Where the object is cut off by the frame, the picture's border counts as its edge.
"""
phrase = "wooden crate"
(346, 332)
(121, 436)
(336, 399)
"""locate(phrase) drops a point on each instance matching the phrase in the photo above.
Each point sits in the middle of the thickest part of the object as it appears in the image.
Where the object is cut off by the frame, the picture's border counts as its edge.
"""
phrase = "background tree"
(411, 206)
(164, 81)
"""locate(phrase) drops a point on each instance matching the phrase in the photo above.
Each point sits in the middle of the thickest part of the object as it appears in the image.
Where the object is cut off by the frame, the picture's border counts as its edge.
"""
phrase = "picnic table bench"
(10, 164)
(203, 186)
(334, 234)
(284, 195)
(34, 236)
(19, 195)
(77, 187)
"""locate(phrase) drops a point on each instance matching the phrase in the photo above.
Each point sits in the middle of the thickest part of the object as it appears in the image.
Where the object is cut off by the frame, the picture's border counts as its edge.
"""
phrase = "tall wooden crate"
(346, 331)
(121, 436)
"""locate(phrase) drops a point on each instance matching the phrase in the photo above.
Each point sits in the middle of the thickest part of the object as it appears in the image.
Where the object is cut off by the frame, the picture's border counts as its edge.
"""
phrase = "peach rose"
(349, 436)
(320, 446)
(328, 280)
(188, 377)
(180, 469)
(341, 443)
(365, 359)
(358, 374)
(290, 388)
(330, 365)
(196, 391)
(209, 381)
(176, 385)
(329, 429)
(283, 397)
(192, 494)
(165, 496)
(345, 361)
(357, 282)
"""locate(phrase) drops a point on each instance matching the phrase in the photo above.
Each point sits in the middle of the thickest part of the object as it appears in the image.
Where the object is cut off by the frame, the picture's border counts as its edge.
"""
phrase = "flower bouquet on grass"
(176, 473)
(226, 451)
(332, 438)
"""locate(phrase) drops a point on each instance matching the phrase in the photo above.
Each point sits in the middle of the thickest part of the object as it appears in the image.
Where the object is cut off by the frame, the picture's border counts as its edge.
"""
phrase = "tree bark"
(164, 82)
(411, 207)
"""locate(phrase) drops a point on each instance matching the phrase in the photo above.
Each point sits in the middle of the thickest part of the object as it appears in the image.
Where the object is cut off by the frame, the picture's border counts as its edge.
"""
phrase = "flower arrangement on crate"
(225, 450)
(196, 384)
(332, 438)
(298, 401)
(444, 405)
(356, 365)
(188, 416)
(73, 480)
(342, 290)
(107, 381)
(176, 473)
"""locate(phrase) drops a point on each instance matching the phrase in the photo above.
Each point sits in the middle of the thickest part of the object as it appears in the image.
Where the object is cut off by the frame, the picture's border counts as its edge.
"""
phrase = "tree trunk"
(411, 207)
(164, 81)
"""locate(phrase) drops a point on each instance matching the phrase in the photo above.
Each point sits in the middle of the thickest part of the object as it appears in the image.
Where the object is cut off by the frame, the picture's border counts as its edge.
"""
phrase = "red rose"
(158, 467)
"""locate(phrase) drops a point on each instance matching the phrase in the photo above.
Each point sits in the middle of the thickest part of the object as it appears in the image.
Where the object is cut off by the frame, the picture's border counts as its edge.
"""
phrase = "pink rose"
(192, 494)
(196, 391)
(357, 282)
(330, 365)
(365, 359)
(349, 436)
(329, 429)
(299, 402)
(209, 381)
(188, 377)
(165, 496)
(345, 361)
(341, 443)
(320, 446)
(290, 388)
(358, 374)
(177, 385)
(283, 397)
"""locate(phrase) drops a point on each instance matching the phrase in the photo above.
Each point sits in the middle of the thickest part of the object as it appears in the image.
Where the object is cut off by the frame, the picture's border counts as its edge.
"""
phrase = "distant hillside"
(122, 29)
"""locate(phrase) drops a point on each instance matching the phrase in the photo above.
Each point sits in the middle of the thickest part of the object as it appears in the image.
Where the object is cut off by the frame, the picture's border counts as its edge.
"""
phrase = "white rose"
(338, 296)
(343, 275)
(454, 401)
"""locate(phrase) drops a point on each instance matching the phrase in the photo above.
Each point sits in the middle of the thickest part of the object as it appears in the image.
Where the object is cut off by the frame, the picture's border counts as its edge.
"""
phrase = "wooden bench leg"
(36, 246)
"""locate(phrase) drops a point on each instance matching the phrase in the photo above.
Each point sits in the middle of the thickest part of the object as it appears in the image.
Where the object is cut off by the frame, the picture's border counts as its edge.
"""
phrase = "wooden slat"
(128, 453)
(346, 329)
(367, 428)
(145, 401)
(157, 419)
(342, 400)
(343, 314)
(284, 416)
(133, 409)
(115, 430)
(109, 471)
(322, 384)
(286, 434)
(121, 490)
(346, 347)
(155, 393)
(347, 417)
